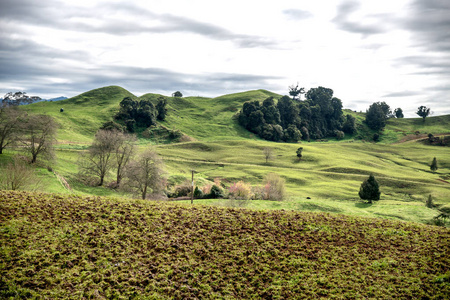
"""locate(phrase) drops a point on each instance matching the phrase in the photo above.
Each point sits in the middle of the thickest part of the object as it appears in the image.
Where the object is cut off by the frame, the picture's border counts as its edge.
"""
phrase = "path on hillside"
(415, 138)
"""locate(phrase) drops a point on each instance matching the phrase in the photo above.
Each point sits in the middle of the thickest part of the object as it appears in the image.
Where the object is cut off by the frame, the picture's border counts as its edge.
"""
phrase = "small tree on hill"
(268, 153)
(299, 153)
(370, 190)
(177, 94)
(398, 113)
(434, 166)
(295, 91)
(429, 202)
(423, 111)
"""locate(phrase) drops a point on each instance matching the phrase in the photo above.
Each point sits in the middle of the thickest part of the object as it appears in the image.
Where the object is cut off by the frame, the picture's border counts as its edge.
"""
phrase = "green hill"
(71, 247)
(330, 172)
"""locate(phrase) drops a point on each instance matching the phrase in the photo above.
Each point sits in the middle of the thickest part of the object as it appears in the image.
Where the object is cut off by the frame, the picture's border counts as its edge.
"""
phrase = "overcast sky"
(397, 51)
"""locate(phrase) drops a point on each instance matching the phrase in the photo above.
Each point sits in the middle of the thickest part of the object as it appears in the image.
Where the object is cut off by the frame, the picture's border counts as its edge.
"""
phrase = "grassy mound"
(73, 247)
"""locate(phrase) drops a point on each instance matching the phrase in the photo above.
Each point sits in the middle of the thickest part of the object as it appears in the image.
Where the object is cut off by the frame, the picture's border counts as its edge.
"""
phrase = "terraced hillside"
(75, 247)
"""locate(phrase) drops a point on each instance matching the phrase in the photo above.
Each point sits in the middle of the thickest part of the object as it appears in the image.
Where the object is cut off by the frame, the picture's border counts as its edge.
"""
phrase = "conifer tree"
(370, 190)
(434, 166)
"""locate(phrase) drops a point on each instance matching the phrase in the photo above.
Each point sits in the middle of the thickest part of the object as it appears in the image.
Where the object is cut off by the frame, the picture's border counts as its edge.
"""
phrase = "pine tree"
(370, 190)
(429, 202)
(434, 166)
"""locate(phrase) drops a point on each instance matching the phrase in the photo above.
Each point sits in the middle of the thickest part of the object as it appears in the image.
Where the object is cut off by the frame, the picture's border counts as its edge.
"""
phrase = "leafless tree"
(125, 148)
(98, 160)
(10, 118)
(144, 175)
(38, 136)
(268, 153)
(18, 175)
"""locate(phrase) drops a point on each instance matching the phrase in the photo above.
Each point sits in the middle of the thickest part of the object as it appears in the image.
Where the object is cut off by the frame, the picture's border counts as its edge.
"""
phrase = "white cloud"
(365, 51)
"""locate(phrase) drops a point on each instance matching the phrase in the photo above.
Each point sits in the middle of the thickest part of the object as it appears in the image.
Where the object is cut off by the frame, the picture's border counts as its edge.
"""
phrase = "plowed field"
(72, 247)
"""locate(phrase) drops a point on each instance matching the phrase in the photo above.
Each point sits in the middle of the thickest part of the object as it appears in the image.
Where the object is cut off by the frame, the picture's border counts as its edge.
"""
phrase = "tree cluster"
(34, 134)
(113, 151)
(290, 120)
(139, 113)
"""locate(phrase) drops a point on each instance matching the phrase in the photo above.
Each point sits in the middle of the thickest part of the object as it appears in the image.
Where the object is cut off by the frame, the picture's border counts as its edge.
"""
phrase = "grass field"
(330, 173)
(73, 247)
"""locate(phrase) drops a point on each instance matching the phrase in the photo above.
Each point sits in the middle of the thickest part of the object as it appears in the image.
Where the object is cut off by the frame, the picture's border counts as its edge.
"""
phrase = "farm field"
(73, 247)
(330, 172)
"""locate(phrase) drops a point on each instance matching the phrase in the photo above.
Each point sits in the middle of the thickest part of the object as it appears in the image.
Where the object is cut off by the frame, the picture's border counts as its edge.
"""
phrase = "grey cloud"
(343, 20)
(429, 64)
(402, 94)
(60, 15)
(430, 23)
(297, 14)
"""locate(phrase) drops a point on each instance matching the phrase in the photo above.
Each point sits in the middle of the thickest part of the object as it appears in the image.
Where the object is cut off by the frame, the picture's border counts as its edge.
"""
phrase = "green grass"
(71, 247)
(329, 171)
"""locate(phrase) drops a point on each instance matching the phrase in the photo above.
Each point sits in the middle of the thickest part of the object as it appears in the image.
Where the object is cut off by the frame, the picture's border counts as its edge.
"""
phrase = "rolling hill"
(330, 170)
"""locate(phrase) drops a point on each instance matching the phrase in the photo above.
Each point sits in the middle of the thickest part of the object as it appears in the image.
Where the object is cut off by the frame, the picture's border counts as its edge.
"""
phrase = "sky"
(397, 51)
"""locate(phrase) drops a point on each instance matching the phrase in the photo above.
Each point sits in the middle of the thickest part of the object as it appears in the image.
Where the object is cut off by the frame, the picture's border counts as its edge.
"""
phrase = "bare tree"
(98, 160)
(10, 118)
(18, 175)
(38, 137)
(125, 148)
(268, 153)
(144, 175)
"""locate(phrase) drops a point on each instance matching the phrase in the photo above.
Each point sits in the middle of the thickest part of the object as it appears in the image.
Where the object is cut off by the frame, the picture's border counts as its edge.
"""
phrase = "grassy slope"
(329, 171)
(72, 247)
(83, 114)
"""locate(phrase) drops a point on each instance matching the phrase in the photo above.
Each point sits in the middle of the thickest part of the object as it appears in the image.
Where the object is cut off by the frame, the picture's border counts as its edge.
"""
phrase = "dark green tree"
(349, 125)
(376, 116)
(289, 113)
(292, 134)
(370, 190)
(398, 113)
(423, 112)
(434, 166)
(295, 91)
(299, 153)
(161, 109)
(177, 94)
(429, 202)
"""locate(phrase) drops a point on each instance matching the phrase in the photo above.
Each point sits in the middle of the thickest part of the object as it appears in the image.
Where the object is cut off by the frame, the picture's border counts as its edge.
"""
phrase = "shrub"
(198, 193)
(183, 189)
(274, 187)
(216, 192)
(240, 190)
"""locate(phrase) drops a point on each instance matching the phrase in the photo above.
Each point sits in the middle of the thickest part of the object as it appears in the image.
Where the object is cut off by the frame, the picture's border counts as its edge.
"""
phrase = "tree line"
(318, 116)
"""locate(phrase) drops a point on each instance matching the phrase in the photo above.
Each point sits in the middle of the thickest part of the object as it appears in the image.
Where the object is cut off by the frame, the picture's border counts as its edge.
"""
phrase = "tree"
(10, 119)
(423, 111)
(274, 187)
(370, 190)
(398, 113)
(268, 153)
(376, 116)
(349, 124)
(177, 94)
(434, 166)
(99, 158)
(18, 175)
(161, 109)
(38, 136)
(295, 91)
(429, 202)
(144, 175)
(299, 153)
(124, 149)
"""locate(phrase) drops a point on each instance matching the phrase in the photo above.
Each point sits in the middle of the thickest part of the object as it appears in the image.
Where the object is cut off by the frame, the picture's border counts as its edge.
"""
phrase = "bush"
(274, 187)
(216, 192)
(240, 191)
(198, 193)
(182, 190)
